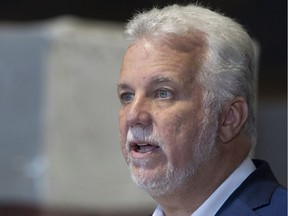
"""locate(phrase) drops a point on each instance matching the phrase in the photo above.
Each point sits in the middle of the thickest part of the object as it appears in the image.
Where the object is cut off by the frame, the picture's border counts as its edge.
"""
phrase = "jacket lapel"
(236, 208)
(253, 193)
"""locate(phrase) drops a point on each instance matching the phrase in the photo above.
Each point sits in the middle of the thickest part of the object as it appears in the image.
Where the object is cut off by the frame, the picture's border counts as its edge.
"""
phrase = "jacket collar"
(243, 201)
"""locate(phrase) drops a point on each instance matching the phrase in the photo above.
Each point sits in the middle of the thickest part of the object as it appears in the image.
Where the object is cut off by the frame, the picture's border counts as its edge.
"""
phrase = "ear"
(233, 118)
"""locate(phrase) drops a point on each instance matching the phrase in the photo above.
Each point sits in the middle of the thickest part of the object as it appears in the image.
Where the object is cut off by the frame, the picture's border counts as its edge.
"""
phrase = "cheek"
(122, 131)
(122, 122)
(181, 135)
(181, 124)
(123, 146)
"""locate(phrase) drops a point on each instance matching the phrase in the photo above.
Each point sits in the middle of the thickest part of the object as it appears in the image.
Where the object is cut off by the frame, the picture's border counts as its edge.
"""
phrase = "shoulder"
(279, 197)
(260, 194)
(280, 194)
(270, 198)
(277, 205)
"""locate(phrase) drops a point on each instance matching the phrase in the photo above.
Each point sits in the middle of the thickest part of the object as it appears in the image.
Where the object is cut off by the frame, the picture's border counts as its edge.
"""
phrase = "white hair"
(229, 65)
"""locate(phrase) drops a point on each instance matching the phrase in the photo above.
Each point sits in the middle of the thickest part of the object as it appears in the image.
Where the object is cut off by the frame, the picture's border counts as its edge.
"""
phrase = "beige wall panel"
(86, 168)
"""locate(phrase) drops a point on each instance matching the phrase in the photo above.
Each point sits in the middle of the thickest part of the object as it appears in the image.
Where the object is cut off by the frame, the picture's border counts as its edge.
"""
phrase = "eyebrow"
(122, 86)
(158, 80)
(155, 81)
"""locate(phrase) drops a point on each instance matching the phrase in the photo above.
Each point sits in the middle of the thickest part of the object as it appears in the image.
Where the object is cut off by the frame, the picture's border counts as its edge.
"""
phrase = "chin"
(158, 183)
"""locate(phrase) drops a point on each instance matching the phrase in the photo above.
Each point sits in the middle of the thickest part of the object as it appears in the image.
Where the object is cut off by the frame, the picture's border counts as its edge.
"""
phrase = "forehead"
(150, 58)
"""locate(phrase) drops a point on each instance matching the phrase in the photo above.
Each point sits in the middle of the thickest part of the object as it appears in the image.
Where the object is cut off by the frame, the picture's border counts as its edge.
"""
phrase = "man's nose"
(139, 112)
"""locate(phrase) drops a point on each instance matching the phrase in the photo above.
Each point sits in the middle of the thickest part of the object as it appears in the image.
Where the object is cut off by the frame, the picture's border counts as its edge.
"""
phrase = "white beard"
(172, 177)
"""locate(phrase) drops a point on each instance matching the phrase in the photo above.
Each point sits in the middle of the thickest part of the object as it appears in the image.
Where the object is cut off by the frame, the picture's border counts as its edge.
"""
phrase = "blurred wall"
(59, 137)
(23, 53)
(272, 135)
(58, 107)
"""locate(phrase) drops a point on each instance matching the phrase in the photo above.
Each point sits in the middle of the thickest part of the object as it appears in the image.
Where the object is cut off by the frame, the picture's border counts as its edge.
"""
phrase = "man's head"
(187, 93)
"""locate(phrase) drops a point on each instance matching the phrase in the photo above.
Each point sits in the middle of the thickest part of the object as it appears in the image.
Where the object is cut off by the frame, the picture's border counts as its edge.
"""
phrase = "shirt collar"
(221, 194)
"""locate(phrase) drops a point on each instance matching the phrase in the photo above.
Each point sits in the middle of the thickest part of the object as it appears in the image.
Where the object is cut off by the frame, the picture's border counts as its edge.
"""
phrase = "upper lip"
(136, 143)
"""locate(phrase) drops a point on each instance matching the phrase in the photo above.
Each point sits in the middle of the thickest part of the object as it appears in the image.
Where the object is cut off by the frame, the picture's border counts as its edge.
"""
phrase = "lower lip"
(139, 155)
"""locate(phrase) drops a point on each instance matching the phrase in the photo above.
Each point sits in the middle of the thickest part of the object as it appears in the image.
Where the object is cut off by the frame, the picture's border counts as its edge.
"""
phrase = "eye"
(163, 94)
(126, 97)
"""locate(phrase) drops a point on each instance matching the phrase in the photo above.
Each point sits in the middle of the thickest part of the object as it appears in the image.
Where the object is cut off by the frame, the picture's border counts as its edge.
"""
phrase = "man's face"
(161, 115)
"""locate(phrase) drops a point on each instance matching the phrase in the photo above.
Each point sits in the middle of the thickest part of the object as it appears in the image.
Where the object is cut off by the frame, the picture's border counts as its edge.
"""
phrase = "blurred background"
(59, 64)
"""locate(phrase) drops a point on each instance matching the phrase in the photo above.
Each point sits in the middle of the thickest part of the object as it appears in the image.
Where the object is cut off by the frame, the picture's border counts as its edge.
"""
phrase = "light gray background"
(58, 108)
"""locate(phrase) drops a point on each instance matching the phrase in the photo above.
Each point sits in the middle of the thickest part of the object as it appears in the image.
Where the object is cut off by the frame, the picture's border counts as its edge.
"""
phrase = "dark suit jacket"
(259, 195)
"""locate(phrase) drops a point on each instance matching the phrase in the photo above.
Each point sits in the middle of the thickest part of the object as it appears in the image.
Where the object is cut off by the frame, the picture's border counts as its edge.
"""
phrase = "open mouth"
(143, 147)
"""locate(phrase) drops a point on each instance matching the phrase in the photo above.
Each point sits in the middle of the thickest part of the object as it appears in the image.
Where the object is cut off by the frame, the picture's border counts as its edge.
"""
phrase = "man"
(187, 121)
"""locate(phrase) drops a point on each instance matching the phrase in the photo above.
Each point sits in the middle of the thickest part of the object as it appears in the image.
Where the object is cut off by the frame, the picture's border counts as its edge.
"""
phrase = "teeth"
(142, 144)
(144, 148)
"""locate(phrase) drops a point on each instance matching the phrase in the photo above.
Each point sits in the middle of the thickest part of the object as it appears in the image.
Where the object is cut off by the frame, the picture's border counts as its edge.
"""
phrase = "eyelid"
(122, 94)
(168, 90)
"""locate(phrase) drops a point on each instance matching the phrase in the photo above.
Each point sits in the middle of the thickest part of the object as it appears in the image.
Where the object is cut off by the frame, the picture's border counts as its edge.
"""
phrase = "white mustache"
(143, 135)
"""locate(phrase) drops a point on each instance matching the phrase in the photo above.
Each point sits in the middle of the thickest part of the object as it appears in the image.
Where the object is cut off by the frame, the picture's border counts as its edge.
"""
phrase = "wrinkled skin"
(158, 92)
